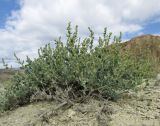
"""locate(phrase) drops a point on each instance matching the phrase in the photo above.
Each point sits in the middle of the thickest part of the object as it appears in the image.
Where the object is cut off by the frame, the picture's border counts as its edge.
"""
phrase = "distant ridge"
(145, 42)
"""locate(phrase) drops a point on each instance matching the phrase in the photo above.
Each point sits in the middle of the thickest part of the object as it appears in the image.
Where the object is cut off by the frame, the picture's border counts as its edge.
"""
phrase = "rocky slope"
(144, 43)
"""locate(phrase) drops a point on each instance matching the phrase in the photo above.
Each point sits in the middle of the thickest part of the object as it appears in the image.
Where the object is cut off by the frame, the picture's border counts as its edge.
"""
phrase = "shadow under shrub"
(78, 69)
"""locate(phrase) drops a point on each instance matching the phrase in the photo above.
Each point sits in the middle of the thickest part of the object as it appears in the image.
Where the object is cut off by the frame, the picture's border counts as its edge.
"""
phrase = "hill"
(144, 43)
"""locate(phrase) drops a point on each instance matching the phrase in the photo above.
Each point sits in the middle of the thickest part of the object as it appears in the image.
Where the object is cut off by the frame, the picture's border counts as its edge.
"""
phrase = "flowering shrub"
(77, 69)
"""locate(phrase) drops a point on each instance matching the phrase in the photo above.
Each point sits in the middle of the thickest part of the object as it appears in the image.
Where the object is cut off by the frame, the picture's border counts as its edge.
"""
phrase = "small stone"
(157, 82)
(156, 117)
(158, 107)
(71, 113)
(158, 77)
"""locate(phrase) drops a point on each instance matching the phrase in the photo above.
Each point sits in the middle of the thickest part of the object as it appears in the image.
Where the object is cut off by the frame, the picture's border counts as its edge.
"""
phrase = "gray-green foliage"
(84, 67)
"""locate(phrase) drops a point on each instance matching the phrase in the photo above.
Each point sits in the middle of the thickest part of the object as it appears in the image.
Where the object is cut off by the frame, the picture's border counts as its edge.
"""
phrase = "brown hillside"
(139, 45)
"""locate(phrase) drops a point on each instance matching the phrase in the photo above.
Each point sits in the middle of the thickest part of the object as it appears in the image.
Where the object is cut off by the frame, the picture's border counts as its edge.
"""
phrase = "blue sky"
(6, 8)
(25, 25)
(152, 28)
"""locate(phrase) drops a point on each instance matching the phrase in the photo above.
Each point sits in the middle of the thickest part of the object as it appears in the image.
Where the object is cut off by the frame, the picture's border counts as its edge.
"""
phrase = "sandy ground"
(141, 108)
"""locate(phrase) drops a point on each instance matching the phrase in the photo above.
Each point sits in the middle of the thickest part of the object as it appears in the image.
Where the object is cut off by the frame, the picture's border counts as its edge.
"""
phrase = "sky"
(6, 8)
(26, 25)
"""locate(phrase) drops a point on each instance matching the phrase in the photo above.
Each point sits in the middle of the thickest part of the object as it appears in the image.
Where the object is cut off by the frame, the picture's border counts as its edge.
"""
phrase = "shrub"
(78, 69)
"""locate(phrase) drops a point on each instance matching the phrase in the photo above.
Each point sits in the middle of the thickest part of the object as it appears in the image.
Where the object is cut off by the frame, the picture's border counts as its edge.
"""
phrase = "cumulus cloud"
(38, 22)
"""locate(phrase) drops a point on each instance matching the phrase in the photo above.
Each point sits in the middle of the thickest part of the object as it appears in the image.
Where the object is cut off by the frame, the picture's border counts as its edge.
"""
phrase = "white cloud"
(40, 21)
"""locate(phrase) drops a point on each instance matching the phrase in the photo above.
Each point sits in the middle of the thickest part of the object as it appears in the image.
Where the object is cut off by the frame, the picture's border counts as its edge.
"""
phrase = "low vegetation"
(76, 69)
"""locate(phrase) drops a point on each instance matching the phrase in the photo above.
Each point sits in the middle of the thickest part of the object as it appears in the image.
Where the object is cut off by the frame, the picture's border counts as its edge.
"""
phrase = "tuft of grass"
(76, 70)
